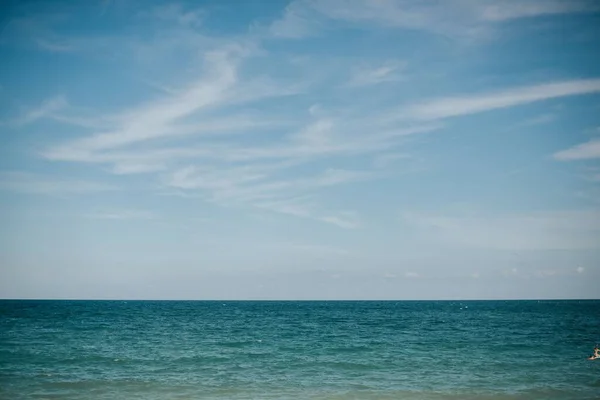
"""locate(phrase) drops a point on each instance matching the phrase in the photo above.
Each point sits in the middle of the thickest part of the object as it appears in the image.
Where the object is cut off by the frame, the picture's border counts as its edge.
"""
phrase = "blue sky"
(334, 149)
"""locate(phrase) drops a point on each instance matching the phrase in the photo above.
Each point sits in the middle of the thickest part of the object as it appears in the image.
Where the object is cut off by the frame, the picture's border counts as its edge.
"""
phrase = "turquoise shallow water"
(299, 350)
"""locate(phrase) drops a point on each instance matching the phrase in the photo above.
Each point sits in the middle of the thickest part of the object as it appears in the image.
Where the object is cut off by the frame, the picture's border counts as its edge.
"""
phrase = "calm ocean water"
(299, 350)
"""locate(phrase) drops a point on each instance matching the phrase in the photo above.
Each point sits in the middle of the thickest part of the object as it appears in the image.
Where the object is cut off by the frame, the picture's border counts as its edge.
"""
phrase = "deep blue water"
(299, 350)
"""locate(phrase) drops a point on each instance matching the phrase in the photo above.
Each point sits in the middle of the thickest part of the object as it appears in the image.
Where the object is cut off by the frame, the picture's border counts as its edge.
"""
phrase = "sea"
(416, 350)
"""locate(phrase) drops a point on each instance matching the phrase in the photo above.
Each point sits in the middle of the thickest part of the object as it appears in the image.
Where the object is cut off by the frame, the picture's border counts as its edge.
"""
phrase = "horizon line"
(297, 300)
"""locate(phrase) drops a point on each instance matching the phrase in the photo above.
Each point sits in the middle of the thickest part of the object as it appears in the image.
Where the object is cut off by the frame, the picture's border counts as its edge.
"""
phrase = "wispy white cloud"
(186, 112)
(342, 137)
(207, 136)
(48, 108)
(232, 172)
(255, 186)
(58, 109)
(455, 106)
(296, 206)
(176, 13)
(298, 21)
(456, 18)
(343, 219)
(501, 11)
(152, 120)
(371, 75)
(23, 182)
(583, 151)
(133, 167)
(147, 138)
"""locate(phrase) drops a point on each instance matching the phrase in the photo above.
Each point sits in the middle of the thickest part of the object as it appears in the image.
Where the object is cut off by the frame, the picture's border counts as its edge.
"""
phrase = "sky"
(334, 149)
